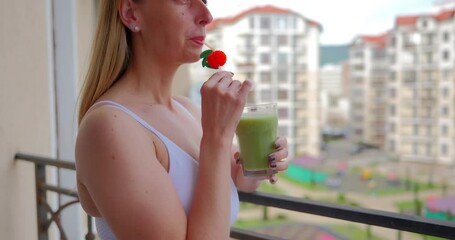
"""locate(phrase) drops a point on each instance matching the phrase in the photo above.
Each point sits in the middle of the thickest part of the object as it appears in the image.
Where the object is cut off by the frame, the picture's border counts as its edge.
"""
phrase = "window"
(282, 59)
(392, 127)
(282, 131)
(266, 95)
(392, 93)
(429, 58)
(251, 22)
(429, 130)
(266, 77)
(424, 24)
(444, 130)
(415, 148)
(392, 145)
(283, 112)
(416, 130)
(392, 110)
(282, 94)
(445, 92)
(393, 41)
(445, 36)
(444, 111)
(265, 58)
(446, 74)
(282, 22)
(264, 22)
(428, 149)
(282, 76)
(445, 55)
(392, 75)
(444, 149)
(282, 40)
(265, 40)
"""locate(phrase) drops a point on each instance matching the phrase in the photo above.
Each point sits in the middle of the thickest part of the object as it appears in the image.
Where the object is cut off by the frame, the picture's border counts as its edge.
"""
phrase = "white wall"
(25, 111)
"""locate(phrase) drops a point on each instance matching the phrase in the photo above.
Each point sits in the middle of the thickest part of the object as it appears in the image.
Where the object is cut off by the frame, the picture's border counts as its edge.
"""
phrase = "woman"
(150, 166)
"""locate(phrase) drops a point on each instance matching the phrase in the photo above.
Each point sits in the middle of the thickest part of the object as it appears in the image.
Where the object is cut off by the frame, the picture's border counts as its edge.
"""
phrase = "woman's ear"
(127, 10)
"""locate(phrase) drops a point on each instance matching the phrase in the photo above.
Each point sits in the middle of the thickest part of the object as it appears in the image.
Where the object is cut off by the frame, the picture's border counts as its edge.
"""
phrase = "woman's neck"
(151, 80)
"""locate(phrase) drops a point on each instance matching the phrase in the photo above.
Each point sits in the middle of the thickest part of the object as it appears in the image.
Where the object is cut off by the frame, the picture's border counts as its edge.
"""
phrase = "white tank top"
(183, 171)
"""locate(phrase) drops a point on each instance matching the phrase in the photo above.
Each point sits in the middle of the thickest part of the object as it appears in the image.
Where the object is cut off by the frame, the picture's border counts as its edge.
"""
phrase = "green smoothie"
(256, 134)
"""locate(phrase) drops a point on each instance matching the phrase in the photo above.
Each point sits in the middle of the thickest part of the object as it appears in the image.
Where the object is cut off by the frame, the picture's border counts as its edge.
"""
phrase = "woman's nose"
(205, 17)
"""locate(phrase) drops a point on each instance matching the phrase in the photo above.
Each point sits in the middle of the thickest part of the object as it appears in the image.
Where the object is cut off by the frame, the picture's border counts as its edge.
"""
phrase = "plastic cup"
(256, 135)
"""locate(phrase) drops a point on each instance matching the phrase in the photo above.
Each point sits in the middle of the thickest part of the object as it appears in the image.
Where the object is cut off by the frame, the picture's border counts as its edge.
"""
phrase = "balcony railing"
(402, 222)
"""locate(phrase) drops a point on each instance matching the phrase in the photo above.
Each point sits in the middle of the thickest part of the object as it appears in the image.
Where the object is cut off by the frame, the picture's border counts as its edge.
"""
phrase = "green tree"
(265, 213)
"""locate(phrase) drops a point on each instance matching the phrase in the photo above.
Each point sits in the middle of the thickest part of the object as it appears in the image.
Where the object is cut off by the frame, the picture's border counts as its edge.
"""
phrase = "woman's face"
(174, 30)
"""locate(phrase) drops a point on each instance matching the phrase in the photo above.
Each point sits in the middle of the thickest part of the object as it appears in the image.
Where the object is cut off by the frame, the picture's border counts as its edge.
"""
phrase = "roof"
(378, 40)
(259, 9)
(412, 19)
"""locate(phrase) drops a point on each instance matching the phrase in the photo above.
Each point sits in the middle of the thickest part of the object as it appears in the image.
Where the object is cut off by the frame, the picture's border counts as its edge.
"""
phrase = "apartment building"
(369, 72)
(334, 101)
(421, 102)
(279, 50)
(403, 82)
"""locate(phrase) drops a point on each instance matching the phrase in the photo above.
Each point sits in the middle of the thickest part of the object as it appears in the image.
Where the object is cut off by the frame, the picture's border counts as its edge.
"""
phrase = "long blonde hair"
(109, 55)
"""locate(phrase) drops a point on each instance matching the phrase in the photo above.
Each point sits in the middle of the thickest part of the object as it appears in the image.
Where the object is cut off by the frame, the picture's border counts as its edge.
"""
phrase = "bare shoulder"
(189, 105)
(105, 136)
(117, 164)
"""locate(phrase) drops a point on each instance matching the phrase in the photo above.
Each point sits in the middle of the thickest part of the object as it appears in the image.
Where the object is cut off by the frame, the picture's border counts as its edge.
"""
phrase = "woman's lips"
(198, 40)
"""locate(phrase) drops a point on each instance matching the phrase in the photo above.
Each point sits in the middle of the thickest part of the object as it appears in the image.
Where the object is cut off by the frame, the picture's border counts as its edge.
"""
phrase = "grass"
(350, 231)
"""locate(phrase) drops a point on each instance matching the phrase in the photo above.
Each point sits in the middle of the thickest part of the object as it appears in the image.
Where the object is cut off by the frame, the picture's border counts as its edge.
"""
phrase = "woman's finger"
(278, 166)
(278, 155)
(244, 89)
(273, 179)
(235, 85)
(216, 77)
(281, 142)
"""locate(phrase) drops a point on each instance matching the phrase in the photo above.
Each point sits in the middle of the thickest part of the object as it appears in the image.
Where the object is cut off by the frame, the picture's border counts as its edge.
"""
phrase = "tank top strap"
(131, 114)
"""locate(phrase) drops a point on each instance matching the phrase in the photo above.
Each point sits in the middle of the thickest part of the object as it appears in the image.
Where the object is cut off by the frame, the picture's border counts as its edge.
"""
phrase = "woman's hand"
(223, 100)
(276, 162)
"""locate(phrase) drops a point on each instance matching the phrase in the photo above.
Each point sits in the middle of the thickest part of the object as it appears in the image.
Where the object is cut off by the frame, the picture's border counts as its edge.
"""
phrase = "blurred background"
(366, 96)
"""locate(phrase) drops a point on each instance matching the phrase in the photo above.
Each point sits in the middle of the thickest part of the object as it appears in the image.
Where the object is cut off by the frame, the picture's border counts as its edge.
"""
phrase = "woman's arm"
(223, 100)
(117, 164)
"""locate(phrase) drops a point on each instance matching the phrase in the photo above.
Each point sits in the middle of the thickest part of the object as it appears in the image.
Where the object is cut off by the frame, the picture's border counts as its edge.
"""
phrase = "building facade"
(279, 50)
(369, 70)
(421, 100)
(403, 84)
(333, 98)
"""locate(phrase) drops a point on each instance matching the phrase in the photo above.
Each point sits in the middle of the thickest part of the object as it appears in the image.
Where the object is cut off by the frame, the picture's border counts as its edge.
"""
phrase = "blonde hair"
(109, 56)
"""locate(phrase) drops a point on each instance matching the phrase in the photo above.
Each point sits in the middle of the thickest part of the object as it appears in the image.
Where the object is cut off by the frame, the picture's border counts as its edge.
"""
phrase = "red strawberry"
(216, 59)
(213, 59)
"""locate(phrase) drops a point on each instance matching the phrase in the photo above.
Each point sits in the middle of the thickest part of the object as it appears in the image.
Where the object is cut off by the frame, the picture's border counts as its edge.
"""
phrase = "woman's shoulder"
(109, 125)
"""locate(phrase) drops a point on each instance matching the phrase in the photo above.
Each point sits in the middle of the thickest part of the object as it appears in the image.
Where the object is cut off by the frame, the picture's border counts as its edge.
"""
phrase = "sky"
(341, 20)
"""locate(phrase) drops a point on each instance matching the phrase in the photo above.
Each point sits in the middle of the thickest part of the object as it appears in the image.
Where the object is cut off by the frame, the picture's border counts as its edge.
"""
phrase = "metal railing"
(397, 221)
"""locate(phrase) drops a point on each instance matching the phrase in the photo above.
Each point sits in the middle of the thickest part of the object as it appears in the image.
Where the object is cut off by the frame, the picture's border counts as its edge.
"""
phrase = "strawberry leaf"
(205, 53)
(205, 63)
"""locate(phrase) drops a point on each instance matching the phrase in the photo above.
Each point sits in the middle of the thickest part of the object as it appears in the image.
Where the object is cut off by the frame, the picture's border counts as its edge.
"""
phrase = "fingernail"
(271, 158)
(273, 179)
(237, 157)
(273, 165)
